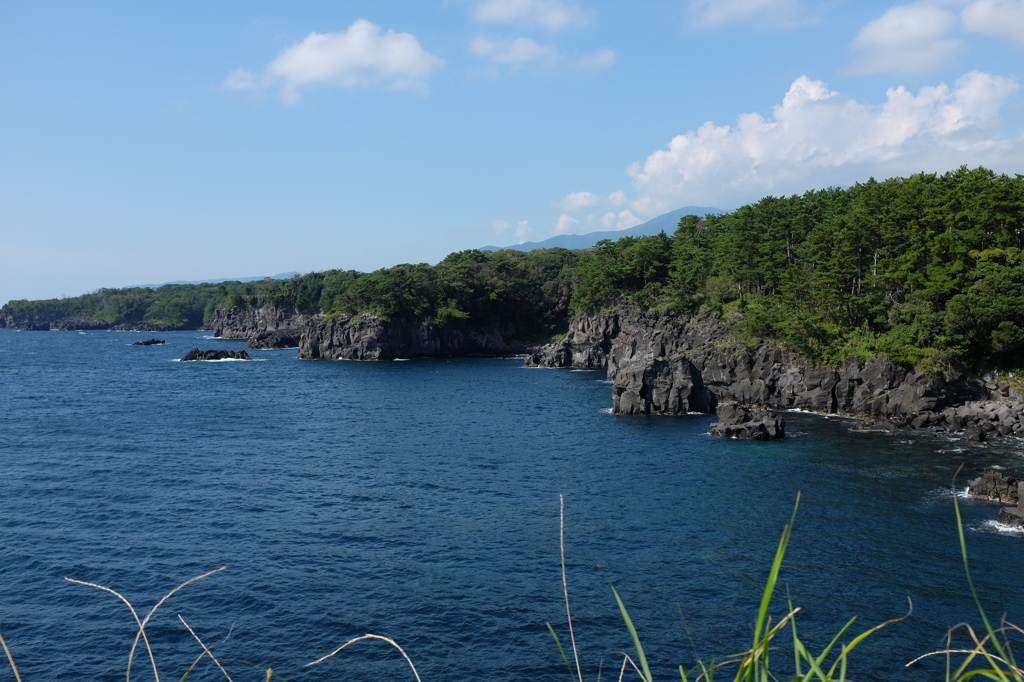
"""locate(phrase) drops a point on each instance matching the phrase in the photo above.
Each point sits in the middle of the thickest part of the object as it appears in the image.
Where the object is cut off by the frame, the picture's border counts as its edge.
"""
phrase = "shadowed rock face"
(275, 339)
(368, 337)
(652, 356)
(233, 323)
(149, 342)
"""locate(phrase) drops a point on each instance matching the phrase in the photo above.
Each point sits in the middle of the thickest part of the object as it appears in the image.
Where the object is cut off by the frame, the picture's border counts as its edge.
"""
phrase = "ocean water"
(419, 500)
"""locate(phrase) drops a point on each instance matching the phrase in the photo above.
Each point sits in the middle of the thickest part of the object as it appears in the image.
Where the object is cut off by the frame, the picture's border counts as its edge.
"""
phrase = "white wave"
(1002, 528)
(965, 494)
(607, 410)
(401, 359)
(605, 381)
(207, 336)
(225, 360)
(82, 333)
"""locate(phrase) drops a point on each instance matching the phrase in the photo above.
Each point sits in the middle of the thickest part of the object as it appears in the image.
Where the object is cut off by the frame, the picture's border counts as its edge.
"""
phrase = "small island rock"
(736, 421)
(149, 342)
(196, 355)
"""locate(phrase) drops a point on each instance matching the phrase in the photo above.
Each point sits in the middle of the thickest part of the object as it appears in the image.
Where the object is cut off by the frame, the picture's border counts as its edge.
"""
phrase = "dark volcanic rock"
(195, 355)
(368, 337)
(667, 386)
(661, 352)
(149, 342)
(35, 327)
(274, 339)
(248, 323)
(1012, 516)
(993, 485)
(736, 421)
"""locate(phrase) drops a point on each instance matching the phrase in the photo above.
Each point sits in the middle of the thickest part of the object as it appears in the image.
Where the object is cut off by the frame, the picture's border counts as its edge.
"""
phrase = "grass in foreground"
(991, 656)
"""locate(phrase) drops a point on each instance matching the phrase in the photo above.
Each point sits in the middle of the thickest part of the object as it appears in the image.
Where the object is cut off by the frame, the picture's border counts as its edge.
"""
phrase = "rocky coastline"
(659, 363)
(665, 363)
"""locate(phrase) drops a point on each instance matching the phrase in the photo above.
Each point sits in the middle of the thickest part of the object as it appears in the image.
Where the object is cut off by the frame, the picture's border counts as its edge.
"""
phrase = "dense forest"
(927, 269)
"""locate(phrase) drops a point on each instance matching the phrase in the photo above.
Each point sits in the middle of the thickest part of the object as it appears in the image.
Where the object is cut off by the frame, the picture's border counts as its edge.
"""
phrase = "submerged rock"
(196, 355)
(736, 421)
(149, 342)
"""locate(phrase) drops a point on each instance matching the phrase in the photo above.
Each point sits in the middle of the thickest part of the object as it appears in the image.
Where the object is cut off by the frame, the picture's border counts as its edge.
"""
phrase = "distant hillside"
(283, 275)
(666, 222)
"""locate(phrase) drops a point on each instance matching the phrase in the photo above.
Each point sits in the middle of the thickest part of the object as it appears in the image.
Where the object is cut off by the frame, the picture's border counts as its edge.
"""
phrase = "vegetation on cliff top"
(927, 269)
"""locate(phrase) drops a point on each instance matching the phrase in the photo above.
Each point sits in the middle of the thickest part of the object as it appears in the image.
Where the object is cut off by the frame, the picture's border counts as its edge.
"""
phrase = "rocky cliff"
(368, 337)
(262, 327)
(650, 356)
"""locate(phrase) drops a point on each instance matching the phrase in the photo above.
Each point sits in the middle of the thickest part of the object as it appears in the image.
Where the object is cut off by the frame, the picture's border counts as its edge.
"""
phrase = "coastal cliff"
(262, 327)
(369, 337)
(652, 357)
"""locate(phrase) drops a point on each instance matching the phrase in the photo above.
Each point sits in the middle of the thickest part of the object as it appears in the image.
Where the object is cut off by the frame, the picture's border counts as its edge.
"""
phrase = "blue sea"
(419, 501)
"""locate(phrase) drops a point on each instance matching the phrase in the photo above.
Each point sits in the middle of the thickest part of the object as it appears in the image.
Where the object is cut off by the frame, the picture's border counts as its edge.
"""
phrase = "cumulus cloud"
(578, 201)
(998, 18)
(553, 15)
(909, 39)
(595, 61)
(515, 52)
(566, 224)
(360, 56)
(521, 230)
(773, 13)
(816, 137)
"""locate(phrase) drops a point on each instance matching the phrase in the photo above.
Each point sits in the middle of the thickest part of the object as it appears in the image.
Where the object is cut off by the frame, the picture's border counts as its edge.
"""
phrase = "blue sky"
(147, 142)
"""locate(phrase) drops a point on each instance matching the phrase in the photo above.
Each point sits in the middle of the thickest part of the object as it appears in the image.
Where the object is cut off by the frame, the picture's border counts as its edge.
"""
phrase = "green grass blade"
(561, 650)
(769, 590)
(970, 582)
(632, 633)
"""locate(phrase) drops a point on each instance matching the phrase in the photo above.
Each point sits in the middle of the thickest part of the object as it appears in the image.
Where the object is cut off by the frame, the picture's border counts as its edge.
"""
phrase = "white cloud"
(361, 56)
(553, 15)
(626, 220)
(908, 39)
(515, 52)
(500, 227)
(998, 18)
(523, 230)
(771, 13)
(566, 224)
(578, 201)
(816, 138)
(595, 61)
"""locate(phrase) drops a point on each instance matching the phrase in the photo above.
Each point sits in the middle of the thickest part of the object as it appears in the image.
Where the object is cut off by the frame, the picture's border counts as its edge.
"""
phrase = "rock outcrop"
(274, 339)
(196, 355)
(149, 342)
(641, 345)
(34, 327)
(368, 337)
(994, 485)
(249, 323)
(736, 421)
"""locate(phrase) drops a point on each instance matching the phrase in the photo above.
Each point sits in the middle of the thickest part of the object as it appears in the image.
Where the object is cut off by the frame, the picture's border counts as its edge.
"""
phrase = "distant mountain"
(283, 275)
(667, 222)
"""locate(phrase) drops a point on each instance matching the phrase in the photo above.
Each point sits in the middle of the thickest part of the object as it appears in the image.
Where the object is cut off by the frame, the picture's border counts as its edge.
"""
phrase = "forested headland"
(927, 270)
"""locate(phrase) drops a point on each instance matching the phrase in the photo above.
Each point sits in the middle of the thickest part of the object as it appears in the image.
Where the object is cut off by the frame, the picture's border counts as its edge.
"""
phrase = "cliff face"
(368, 337)
(646, 351)
(263, 327)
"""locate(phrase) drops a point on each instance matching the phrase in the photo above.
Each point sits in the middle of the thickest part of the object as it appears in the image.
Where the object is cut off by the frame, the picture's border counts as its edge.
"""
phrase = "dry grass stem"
(565, 583)
(205, 649)
(622, 672)
(368, 636)
(142, 632)
(10, 659)
(142, 624)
